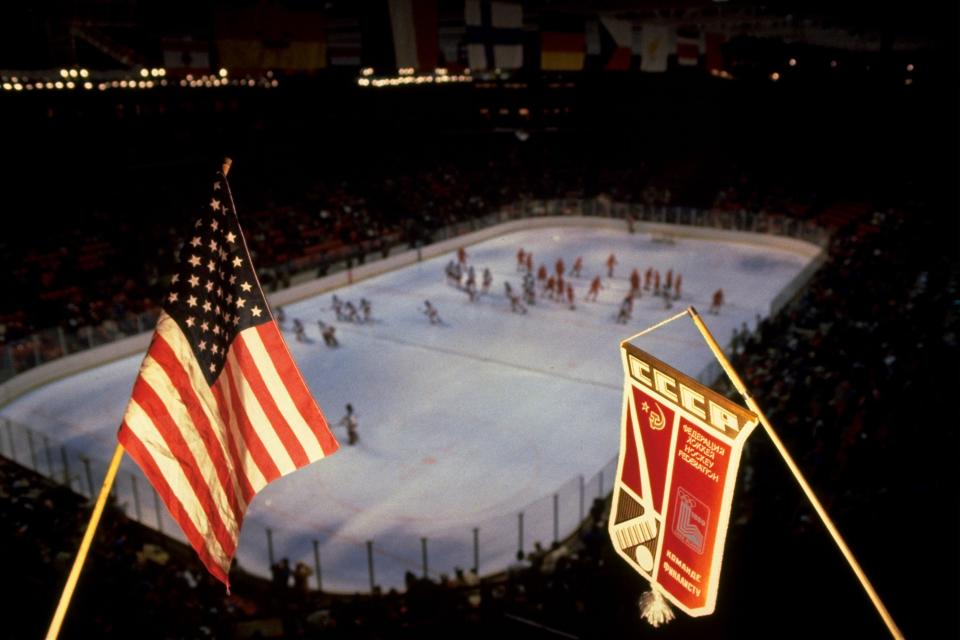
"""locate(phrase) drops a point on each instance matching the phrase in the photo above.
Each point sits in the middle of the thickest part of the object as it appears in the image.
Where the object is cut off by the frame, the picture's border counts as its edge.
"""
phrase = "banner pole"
(797, 474)
(68, 589)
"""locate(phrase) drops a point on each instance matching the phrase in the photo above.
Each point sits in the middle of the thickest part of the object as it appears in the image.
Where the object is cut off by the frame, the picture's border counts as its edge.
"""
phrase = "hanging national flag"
(185, 55)
(714, 58)
(344, 43)
(615, 43)
(680, 446)
(270, 37)
(494, 34)
(688, 47)
(452, 35)
(655, 46)
(219, 408)
(563, 43)
(415, 35)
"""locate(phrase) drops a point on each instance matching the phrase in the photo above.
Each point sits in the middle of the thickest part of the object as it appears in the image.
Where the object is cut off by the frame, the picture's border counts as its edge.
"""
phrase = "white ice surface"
(462, 425)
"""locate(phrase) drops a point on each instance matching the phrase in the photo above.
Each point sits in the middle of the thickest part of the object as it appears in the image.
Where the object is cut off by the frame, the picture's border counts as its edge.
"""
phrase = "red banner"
(680, 447)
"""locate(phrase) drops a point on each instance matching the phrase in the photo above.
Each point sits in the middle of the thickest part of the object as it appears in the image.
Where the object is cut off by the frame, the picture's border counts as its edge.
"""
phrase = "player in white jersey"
(431, 313)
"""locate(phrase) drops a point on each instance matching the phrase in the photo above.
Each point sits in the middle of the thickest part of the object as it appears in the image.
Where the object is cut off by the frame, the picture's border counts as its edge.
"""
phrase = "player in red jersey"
(634, 284)
(611, 263)
(717, 301)
(595, 287)
(577, 266)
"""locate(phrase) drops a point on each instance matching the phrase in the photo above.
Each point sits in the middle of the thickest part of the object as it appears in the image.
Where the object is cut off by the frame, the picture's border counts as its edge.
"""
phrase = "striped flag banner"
(219, 408)
(689, 47)
(415, 33)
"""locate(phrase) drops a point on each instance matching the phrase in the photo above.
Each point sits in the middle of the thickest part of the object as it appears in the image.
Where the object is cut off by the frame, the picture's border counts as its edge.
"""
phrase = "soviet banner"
(680, 446)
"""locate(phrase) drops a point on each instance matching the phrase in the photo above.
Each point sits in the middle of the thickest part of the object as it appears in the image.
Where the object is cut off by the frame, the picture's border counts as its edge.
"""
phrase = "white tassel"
(654, 609)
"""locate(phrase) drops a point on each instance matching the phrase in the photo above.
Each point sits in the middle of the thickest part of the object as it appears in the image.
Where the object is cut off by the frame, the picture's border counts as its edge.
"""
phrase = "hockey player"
(626, 308)
(647, 278)
(456, 274)
(611, 263)
(514, 299)
(676, 286)
(577, 266)
(329, 333)
(529, 262)
(299, 331)
(559, 267)
(462, 256)
(668, 282)
(551, 287)
(337, 307)
(471, 289)
(717, 302)
(350, 422)
(656, 283)
(431, 313)
(529, 289)
(570, 303)
(281, 317)
(521, 259)
(595, 287)
(634, 284)
(487, 279)
(350, 312)
(542, 273)
(365, 309)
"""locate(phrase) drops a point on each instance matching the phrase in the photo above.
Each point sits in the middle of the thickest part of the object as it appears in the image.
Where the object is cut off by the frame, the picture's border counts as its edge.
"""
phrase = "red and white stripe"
(688, 50)
(415, 35)
(209, 449)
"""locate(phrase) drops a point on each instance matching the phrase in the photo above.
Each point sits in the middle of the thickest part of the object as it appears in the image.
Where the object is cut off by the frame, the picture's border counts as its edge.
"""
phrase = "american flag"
(219, 408)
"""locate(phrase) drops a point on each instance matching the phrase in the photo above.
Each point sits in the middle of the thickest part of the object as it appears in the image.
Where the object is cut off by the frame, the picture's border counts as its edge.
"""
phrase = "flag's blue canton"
(214, 294)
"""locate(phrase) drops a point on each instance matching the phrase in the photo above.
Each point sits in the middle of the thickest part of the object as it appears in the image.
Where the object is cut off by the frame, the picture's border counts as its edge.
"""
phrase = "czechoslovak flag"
(219, 408)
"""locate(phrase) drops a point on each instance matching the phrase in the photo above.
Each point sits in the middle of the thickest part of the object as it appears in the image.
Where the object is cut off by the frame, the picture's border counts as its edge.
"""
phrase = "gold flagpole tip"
(227, 162)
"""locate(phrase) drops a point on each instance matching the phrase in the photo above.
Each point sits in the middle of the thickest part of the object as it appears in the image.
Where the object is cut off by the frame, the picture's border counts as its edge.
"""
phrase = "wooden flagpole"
(797, 474)
(67, 594)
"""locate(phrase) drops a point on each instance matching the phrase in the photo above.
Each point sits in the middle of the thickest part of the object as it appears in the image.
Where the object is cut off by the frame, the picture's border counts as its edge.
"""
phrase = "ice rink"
(462, 425)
